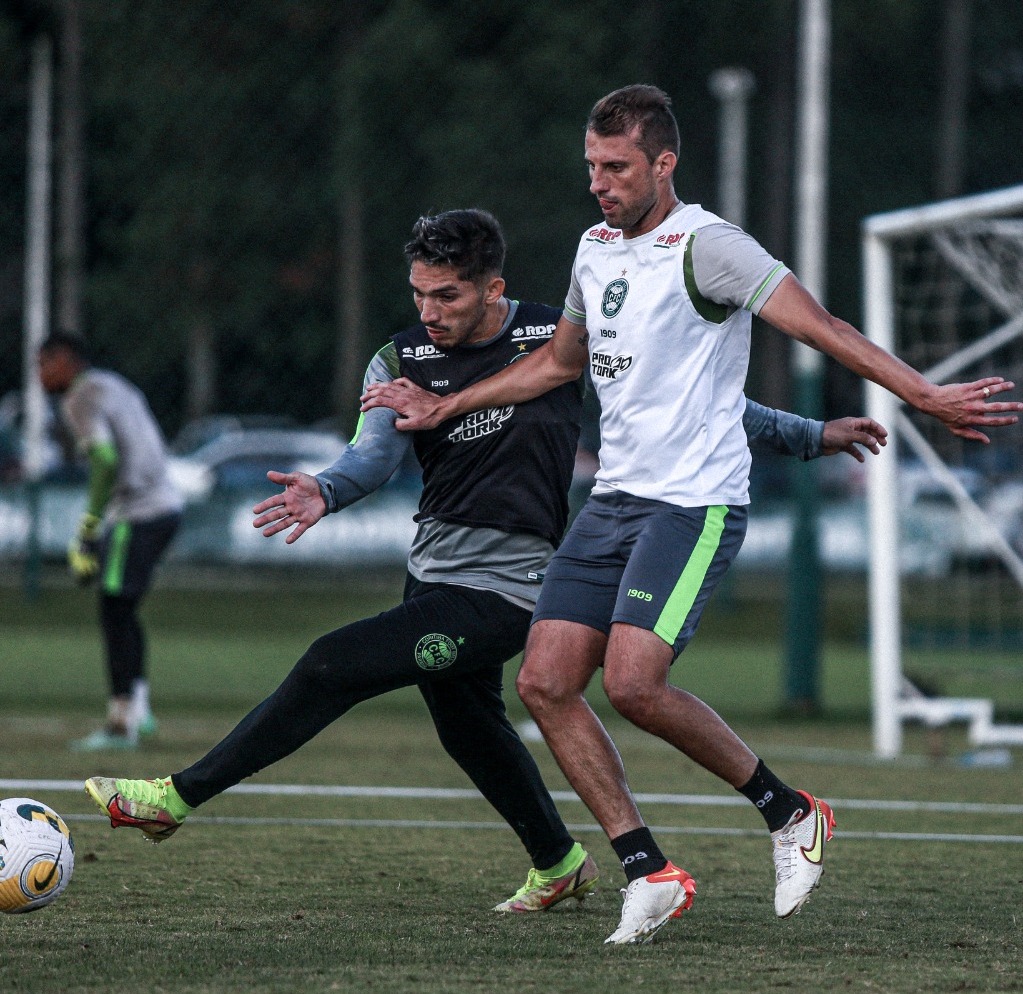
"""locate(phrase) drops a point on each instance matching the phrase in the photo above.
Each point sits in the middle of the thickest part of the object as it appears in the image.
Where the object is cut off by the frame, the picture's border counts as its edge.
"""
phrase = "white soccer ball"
(37, 855)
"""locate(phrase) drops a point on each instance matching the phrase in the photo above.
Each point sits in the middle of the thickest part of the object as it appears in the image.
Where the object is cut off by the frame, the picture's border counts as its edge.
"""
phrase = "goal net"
(944, 291)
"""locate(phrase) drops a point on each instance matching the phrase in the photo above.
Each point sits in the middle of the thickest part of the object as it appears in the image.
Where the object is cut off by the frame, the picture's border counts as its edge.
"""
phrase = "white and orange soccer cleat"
(650, 901)
(799, 855)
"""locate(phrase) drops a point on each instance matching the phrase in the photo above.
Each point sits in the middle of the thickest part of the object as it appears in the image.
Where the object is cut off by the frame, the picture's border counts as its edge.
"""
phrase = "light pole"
(805, 597)
(733, 88)
(37, 289)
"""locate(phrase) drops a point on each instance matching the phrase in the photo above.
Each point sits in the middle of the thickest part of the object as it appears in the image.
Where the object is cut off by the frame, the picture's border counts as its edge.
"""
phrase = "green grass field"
(374, 892)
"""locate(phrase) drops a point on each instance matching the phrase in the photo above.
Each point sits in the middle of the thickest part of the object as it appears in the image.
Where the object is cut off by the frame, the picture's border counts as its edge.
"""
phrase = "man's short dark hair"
(642, 106)
(68, 341)
(471, 240)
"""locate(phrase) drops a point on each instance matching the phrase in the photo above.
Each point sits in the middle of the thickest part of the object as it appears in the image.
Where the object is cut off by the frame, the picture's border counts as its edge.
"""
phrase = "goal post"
(943, 289)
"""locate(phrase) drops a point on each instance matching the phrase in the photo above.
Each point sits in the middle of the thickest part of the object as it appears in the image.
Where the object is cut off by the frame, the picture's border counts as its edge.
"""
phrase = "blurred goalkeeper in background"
(131, 514)
(493, 509)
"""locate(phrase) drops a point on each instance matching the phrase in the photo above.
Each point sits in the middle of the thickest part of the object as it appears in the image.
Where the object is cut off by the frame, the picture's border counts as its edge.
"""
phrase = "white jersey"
(668, 318)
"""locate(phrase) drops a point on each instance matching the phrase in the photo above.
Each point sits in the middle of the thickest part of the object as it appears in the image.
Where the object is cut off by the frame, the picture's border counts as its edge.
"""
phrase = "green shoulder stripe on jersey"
(117, 558)
(388, 358)
(103, 461)
(358, 428)
(763, 286)
(682, 598)
(389, 355)
(707, 309)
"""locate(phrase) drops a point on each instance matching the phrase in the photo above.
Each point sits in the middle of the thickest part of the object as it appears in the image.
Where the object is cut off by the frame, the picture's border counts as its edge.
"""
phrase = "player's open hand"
(848, 434)
(416, 408)
(301, 504)
(964, 408)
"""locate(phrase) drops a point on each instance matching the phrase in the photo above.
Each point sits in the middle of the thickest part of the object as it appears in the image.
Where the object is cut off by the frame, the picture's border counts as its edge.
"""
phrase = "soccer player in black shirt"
(493, 508)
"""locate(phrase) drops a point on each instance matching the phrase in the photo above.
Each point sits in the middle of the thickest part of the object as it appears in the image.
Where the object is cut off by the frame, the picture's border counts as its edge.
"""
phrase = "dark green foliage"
(221, 138)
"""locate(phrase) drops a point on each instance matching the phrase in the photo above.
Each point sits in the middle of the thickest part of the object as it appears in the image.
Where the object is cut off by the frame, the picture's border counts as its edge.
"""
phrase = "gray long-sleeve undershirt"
(379, 448)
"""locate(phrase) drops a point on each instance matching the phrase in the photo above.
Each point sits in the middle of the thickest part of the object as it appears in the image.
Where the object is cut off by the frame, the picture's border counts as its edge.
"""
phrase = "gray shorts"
(641, 562)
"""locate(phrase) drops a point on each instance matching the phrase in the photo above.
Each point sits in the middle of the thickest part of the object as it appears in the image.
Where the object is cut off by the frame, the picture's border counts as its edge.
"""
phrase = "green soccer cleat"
(154, 807)
(543, 890)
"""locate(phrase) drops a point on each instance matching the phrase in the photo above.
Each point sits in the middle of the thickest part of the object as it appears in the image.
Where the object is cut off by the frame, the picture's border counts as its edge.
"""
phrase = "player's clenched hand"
(966, 407)
(301, 504)
(416, 408)
(847, 434)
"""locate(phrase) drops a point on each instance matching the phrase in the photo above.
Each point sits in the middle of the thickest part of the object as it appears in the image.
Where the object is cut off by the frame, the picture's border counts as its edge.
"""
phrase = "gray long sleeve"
(786, 433)
(375, 452)
(367, 462)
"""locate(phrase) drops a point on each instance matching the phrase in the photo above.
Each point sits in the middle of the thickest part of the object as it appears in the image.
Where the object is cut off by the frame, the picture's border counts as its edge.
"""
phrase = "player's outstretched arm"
(559, 361)
(848, 434)
(964, 408)
(300, 504)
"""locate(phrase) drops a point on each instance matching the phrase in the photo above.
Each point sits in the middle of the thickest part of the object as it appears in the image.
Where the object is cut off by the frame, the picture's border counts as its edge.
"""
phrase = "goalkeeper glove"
(83, 552)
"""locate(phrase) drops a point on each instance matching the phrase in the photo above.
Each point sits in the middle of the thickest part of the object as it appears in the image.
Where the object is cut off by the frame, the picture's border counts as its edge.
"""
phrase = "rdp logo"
(670, 241)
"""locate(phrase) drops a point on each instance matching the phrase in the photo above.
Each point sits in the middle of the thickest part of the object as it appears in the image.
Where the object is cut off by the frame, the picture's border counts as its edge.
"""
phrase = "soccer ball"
(37, 855)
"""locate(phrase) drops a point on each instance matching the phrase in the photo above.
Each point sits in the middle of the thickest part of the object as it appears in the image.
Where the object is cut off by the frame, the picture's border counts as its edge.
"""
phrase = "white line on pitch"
(497, 825)
(467, 793)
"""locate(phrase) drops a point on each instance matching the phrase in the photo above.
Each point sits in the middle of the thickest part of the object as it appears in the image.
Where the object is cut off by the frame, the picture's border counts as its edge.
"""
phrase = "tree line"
(234, 181)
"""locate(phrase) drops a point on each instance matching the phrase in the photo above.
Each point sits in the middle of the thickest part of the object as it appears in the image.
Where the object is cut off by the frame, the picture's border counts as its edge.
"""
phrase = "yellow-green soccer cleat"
(543, 890)
(152, 806)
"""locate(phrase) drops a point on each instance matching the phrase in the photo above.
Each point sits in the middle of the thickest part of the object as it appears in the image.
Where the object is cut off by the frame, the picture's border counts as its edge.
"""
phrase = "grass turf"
(346, 903)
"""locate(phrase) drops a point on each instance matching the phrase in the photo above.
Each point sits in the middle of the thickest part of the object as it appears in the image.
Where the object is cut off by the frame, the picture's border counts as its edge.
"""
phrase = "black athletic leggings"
(450, 641)
(129, 554)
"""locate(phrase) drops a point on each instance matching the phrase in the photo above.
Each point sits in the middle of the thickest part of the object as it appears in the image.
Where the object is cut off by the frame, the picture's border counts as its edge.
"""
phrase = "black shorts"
(641, 562)
(130, 552)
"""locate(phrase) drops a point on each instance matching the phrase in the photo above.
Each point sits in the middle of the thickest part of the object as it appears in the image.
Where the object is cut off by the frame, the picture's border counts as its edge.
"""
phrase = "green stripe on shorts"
(682, 598)
(117, 557)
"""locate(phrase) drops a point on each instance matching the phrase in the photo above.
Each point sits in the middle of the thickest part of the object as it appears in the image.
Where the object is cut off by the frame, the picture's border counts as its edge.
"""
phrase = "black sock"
(639, 853)
(774, 800)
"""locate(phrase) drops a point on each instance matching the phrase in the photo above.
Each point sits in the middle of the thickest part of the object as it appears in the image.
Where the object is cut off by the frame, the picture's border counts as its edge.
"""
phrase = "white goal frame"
(894, 699)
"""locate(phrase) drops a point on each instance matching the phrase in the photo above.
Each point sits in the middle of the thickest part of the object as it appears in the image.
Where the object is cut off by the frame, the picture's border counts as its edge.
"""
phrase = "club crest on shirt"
(614, 297)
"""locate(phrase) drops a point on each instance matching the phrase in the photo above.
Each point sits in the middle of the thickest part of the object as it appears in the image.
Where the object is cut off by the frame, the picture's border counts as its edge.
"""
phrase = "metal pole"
(882, 493)
(805, 606)
(37, 291)
(733, 88)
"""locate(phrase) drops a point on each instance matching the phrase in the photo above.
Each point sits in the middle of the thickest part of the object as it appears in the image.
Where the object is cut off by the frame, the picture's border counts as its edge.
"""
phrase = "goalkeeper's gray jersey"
(102, 407)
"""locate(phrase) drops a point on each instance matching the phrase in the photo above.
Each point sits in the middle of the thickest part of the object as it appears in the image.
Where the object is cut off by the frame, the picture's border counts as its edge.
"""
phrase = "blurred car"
(1004, 505)
(57, 458)
(200, 431)
(238, 460)
(935, 538)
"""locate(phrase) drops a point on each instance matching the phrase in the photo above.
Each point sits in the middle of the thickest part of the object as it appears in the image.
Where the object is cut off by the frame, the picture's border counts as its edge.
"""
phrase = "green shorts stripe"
(116, 558)
(681, 600)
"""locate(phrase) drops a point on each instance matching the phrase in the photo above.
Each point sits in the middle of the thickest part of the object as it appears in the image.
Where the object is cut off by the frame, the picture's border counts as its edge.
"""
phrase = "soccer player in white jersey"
(494, 506)
(660, 308)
